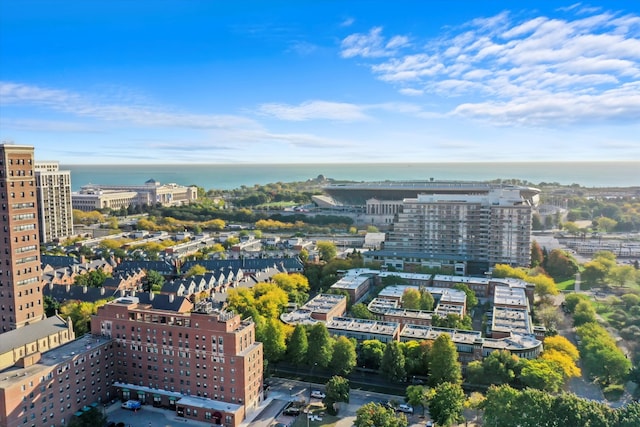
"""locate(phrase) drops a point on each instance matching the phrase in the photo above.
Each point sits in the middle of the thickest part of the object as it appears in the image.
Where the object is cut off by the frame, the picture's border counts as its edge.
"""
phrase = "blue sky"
(320, 82)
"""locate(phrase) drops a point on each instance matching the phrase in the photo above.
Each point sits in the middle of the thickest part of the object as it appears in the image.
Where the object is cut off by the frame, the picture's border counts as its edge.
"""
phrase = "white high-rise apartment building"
(55, 213)
(474, 230)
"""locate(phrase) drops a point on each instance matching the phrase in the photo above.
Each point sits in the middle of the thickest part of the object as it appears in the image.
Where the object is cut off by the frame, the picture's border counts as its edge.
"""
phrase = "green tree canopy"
(443, 364)
(446, 403)
(472, 300)
(344, 356)
(584, 313)
(375, 415)
(273, 339)
(320, 349)
(411, 299)
(417, 395)
(541, 374)
(327, 250)
(392, 364)
(196, 270)
(336, 390)
(370, 354)
(360, 311)
(298, 346)
(155, 280)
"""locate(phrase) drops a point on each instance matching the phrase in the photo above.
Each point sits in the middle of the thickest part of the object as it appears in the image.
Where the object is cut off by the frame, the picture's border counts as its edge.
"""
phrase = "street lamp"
(310, 378)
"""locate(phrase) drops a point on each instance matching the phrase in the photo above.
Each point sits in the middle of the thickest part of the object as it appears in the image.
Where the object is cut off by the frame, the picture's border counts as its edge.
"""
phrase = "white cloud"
(538, 70)
(314, 110)
(137, 115)
(371, 45)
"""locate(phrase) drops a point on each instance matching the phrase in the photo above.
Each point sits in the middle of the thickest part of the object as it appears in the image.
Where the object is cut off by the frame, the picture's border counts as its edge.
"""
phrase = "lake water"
(227, 176)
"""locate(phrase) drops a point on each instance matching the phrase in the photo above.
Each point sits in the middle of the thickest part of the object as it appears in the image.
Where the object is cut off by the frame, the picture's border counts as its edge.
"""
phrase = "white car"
(405, 408)
(317, 394)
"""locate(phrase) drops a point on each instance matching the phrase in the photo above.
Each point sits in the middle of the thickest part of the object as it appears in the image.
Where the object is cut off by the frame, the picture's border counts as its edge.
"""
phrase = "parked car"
(317, 394)
(430, 424)
(405, 408)
(131, 404)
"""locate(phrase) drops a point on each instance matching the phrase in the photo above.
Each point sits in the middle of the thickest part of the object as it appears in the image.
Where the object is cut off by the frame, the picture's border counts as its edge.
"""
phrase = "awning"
(157, 395)
(77, 414)
(125, 389)
(85, 409)
(173, 398)
(94, 404)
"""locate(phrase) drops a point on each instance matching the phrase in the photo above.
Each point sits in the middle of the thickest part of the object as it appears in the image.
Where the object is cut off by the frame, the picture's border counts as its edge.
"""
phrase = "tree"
(298, 346)
(475, 401)
(563, 361)
(549, 316)
(336, 390)
(606, 224)
(392, 364)
(51, 306)
(472, 300)
(560, 265)
(426, 300)
(541, 374)
(601, 358)
(327, 250)
(443, 364)
(572, 300)
(295, 285)
(196, 270)
(416, 395)
(536, 254)
(501, 406)
(500, 367)
(416, 357)
(375, 415)
(320, 348)
(80, 314)
(155, 280)
(446, 403)
(622, 275)
(91, 418)
(593, 273)
(563, 345)
(371, 353)
(344, 357)
(360, 311)
(584, 313)
(273, 340)
(411, 299)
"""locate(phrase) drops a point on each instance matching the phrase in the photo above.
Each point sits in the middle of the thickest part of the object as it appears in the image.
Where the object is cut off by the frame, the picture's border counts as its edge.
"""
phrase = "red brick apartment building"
(204, 364)
(20, 288)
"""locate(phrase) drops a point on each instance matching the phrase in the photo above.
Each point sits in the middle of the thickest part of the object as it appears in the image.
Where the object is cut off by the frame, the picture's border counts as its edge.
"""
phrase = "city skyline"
(332, 82)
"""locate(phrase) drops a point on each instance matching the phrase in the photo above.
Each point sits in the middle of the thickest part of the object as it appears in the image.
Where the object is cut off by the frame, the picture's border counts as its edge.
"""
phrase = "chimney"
(84, 289)
(102, 290)
(151, 296)
(171, 297)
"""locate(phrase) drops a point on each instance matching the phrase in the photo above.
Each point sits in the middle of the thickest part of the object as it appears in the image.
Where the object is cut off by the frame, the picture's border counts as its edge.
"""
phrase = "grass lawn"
(567, 285)
(276, 205)
(327, 420)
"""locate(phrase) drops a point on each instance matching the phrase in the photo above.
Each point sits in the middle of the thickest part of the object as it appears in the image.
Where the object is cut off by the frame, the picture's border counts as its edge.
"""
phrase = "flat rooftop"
(363, 325)
(505, 295)
(419, 332)
(514, 343)
(442, 294)
(50, 359)
(507, 319)
(323, 303)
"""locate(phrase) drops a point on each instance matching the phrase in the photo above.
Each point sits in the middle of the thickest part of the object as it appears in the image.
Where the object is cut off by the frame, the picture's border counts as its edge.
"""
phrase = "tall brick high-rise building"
(20, 273)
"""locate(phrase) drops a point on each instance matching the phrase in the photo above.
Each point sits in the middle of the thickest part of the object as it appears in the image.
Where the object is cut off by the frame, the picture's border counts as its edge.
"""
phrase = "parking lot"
(148, 416)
